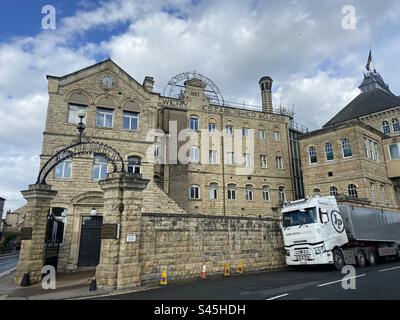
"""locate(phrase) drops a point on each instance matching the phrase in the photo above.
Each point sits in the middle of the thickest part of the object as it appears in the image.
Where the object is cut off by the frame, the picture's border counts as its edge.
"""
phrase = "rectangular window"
(194, 124)
(73, 112)
(261, 134)
(373, 196)
(246, 132)
(64, 169)
(394, 150)
(131, 120)
(194, 154)
(277, 136)
(230, 158)
(212, 127)
(194, 193)
(212, 157)
(104, 117)
(249, 194)
(247, 160)
(231, 193)
(100, 168)
(266, 195)
(229, 131)
(279, 162)
(264, 161)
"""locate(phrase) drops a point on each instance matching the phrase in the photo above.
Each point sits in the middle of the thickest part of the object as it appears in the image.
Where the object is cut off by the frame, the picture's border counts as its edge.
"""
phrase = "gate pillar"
(38, 198)
(119, 266)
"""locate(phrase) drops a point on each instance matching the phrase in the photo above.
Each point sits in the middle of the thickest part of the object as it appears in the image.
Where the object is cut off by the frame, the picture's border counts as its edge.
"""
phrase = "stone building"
(235, 161)
(357, 153)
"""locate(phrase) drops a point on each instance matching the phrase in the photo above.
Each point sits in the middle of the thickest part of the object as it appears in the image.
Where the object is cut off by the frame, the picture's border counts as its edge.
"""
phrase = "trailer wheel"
(360, 259)
(371, 258)
(338, 259)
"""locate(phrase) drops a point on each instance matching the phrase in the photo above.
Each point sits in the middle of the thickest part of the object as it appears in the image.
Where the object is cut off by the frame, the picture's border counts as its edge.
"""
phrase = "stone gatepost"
(38, 198)
(119, 266)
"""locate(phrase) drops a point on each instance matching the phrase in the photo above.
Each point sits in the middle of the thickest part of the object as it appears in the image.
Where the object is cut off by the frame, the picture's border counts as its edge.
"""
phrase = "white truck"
(318, 231)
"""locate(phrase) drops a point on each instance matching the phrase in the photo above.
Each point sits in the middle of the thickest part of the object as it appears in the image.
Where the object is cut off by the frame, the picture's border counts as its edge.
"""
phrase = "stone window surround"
(192, 188)
(345, 143)
(312, 155)
(63, 177)
(328, 148)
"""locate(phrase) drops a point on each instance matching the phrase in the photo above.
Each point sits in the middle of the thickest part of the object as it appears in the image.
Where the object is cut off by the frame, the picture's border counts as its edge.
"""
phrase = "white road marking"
(7, 272)
(277, 297)
(384, 270)
(327, 284)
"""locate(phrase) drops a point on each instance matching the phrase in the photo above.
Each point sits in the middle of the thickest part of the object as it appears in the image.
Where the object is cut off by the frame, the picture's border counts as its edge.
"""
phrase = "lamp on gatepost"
(93, 212)
(81, 126)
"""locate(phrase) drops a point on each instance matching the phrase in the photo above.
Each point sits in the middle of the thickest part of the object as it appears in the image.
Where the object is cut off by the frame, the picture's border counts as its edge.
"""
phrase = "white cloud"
(314, 62)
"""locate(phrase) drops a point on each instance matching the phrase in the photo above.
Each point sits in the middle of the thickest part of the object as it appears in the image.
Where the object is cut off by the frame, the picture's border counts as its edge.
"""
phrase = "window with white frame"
(230, 158)
(385, 127)
(231, 191)
(104, 117)
(282, 194)
(352, 190)
(134, 165)
(194, 154)
(249, 193)
(63, 170)
(312, 155)
(333, 191)
(213, 157)
(279, 162)
(346, 148)
(213, 191)
(131, 121)
(194, 192)
(100, 168)
(212, 127)
(246, 132)
(394, 151)
(261, 134)
(73, 112)
(329, 152)
(264, 161)
(371, 149)
(277, 135)
(248, 160)
(265, 192)
(194, 124)
(229, 130)
(396, 125)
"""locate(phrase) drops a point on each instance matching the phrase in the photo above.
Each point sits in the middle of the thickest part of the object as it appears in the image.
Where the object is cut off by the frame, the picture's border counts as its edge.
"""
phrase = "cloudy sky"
(314, 51)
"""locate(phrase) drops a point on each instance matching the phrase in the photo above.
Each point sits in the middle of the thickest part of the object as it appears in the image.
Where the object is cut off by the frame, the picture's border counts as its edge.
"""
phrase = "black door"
(89, 249)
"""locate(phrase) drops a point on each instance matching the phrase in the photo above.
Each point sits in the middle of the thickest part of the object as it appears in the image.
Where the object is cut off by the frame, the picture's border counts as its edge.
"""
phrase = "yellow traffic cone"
(164, 279)
(226, 270)
(240, 268)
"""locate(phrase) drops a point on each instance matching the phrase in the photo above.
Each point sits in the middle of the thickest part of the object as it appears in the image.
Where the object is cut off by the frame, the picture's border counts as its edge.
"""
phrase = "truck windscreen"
(300, 217)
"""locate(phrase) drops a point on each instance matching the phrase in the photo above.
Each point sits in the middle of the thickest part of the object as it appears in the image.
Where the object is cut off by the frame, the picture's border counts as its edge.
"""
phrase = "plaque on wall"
(110, 231)
(26, 233)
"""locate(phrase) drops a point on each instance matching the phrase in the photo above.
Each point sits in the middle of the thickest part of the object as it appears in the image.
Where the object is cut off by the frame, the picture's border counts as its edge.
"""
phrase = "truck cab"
(312, 229)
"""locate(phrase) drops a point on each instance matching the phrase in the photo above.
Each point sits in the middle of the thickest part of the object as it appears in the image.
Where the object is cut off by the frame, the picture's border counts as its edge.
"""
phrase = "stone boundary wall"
(182, 243)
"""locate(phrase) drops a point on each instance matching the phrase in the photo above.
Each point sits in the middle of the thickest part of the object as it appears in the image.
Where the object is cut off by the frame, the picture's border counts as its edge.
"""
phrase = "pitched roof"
(364, 104)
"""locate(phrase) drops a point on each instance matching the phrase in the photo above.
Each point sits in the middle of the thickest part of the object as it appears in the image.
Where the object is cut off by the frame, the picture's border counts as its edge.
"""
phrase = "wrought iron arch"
(78, 149)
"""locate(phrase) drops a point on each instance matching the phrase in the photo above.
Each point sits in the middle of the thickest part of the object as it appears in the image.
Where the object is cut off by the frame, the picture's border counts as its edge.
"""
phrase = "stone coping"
(203, 216)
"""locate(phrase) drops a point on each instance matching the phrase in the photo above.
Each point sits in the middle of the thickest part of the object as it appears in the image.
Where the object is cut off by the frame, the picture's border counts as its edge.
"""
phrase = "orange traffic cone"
(203, 273)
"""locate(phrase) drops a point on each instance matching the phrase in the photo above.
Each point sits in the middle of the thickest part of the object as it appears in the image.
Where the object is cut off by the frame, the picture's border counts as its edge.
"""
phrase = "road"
(7, 264)
(380, 282)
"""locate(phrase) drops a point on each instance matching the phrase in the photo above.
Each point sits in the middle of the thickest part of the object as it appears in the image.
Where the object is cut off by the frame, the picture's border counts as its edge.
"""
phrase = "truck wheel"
(338, 260)
(360, 259)
(371, 258)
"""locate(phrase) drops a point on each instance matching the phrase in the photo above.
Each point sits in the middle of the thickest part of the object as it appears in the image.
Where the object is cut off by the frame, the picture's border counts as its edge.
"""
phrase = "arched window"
(333, 191)
(385, 127)
(266, 195)
(134, 165)
(329, 152)
(212, 126)
(231, 191)
(282, 194)
(213, 191)
(249, 193)
(347, 153)
(194, 192)
(396, 125)
(312, 154)
(100, 168)
(317, 191)
(352, 190)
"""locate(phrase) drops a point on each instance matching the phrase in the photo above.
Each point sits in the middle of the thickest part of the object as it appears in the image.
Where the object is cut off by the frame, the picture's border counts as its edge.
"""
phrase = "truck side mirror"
(324, 218)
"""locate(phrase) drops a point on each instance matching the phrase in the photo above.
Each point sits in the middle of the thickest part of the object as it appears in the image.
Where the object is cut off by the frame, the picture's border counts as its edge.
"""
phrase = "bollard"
(93, 285)
(164, 280)
(203, 273)
(26, 281)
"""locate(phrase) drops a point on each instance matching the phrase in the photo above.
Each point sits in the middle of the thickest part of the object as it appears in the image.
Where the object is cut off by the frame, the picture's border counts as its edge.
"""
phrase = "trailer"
(318, 230)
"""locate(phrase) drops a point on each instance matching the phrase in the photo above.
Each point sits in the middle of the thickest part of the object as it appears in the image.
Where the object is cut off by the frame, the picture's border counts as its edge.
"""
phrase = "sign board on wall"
(110, 231)
(131, 238)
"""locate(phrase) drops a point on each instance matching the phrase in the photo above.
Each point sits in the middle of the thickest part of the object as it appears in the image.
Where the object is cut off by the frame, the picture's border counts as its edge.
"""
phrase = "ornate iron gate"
(89, 249)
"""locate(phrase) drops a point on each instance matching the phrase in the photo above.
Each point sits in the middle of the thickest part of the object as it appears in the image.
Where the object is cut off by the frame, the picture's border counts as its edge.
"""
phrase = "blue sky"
(315, 62)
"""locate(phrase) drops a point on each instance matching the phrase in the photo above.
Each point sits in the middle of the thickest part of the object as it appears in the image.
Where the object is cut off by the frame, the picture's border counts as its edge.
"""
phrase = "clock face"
(107, 81)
